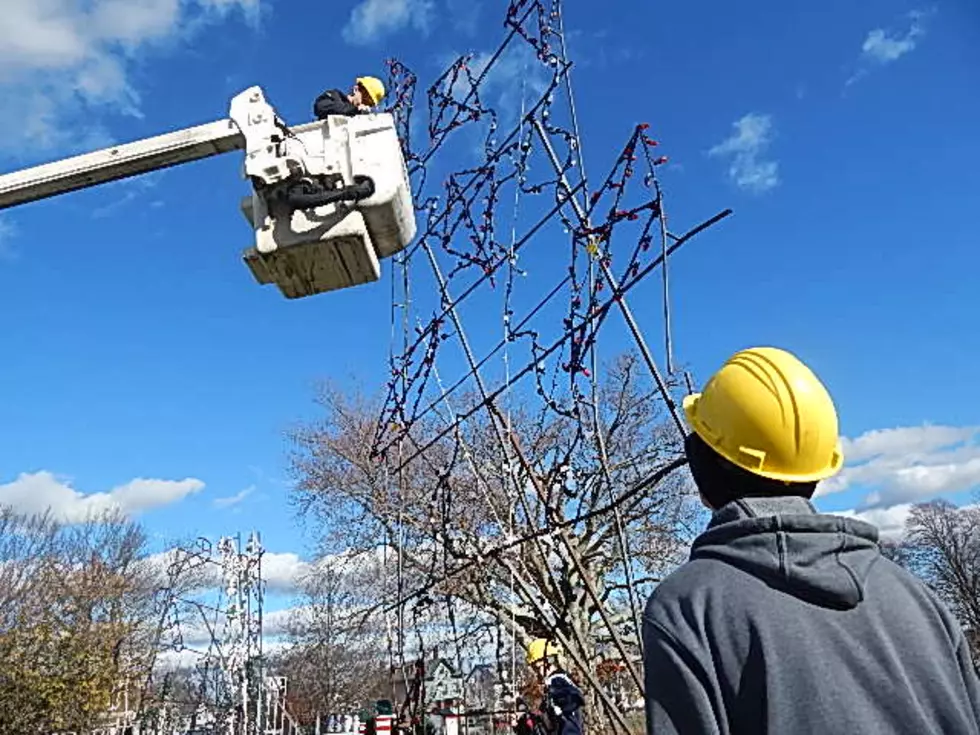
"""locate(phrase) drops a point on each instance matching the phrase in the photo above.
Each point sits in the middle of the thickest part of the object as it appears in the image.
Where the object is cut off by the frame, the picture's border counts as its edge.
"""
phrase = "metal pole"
(570, 649)
(259, 603)
(613, 282)
(574, 556)
(243, 617)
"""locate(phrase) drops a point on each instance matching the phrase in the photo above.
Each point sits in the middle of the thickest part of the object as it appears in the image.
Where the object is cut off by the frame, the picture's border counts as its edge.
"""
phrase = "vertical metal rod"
(495, 418)
(567, 80)
(243, 622)
(260, 605)
(570, 650)
(407, 300)
(668, 348)
(614, 283)
(562, 534)
(594, 357)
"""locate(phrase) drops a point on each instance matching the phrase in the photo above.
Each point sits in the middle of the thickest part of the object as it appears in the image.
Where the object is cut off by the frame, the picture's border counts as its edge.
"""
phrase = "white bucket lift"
(346, 205)
(330, 199)
(335, 244)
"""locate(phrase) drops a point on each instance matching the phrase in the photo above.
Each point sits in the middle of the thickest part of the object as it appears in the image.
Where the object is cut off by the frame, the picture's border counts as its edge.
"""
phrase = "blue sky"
(143, 367)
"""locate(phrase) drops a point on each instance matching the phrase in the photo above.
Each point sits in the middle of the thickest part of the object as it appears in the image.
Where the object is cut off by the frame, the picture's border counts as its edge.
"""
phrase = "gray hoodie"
(791, 622)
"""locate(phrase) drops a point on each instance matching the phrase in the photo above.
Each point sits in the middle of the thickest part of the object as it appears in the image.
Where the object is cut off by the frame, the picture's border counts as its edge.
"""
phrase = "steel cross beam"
(621, 300)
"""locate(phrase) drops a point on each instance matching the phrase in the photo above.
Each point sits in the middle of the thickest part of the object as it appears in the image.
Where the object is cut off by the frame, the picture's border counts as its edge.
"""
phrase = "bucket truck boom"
(329, 199)
(119, 162)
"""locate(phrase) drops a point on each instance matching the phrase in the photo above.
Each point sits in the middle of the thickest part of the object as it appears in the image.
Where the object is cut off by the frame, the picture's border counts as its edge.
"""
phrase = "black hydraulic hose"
(300, 196)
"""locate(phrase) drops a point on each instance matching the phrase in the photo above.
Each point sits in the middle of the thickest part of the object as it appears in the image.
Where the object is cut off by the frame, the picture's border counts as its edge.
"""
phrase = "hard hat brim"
(689, 404)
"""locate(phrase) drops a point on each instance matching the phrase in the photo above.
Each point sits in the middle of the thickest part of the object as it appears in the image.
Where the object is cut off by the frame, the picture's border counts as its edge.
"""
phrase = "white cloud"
(206, 576)
(195, 652)
(890, 521)
(252, 9)
(186, 658)
(746, 149)
(231, 500)
(194, 632)
(286, 572)
(280, 622)
(909, 464)
(904, 441)
(372, 20)
(884, 46)
(515, 79)
(38, 492)
(283, 572)
(597, 49)
(517, 67)
(64, 63)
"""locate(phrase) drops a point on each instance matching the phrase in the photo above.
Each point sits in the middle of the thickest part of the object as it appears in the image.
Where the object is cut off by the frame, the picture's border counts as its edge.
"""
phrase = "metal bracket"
(266, 159)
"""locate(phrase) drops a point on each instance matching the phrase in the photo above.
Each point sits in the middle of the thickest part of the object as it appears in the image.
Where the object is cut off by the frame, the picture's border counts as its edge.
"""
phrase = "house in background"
(437, 691)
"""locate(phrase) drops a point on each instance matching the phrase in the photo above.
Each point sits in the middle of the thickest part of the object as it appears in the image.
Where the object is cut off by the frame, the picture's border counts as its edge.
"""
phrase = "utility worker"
(366, 93)
(561, 707)
(787, 620)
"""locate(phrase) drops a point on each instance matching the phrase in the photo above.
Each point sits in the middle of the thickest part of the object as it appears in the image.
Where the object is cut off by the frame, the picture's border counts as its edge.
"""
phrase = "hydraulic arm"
(329, 199)
(119, 162)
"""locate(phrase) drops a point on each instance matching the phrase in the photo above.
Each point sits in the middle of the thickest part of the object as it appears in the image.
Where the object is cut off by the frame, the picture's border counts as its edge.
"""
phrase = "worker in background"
(784, 619)
(560, 712)
(366, 94)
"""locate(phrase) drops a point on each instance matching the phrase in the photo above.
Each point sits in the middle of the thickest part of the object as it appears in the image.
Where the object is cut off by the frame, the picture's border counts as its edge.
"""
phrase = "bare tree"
(336, 658)
(942, 547)
(531, 518)
(76, 611)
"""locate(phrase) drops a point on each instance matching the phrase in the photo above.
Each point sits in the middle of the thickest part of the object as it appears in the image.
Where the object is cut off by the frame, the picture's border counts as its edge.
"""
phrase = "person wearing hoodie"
(784, 619)
(560, 712)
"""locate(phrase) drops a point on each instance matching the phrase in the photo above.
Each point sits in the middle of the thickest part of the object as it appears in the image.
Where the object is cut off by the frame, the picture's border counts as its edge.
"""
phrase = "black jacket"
(789, 621)
(333, 102)
(563, 704)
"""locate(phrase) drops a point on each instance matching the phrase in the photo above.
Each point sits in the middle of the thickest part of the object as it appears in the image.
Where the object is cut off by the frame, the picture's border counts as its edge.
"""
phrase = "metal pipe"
(614, 283)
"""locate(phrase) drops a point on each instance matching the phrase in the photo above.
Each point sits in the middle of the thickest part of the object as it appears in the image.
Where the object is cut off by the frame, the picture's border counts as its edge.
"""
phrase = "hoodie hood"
(784, 541)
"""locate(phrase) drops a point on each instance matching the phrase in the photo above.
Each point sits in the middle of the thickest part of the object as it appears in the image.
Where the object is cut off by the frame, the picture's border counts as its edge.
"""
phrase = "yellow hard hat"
(766, 412)
(541, 647)
(374, 87)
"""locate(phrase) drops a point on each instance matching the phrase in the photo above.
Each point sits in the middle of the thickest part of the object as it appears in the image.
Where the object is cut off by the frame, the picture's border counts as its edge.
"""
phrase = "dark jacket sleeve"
(677, 699)
(332, 102)
(566, 697)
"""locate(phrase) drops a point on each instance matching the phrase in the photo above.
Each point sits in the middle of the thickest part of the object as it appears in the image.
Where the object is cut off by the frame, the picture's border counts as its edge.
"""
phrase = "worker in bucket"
(366, 94)
(560, 712)
(784, 619)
